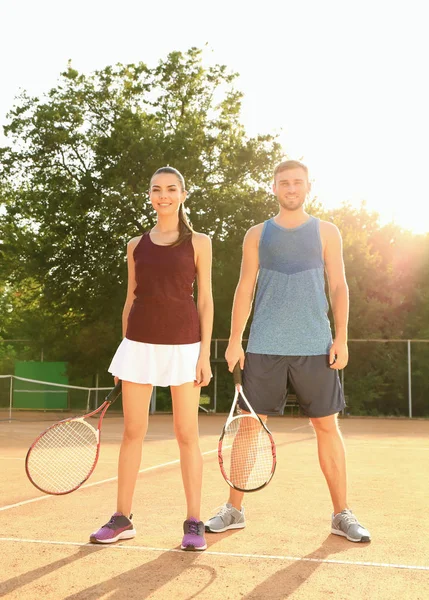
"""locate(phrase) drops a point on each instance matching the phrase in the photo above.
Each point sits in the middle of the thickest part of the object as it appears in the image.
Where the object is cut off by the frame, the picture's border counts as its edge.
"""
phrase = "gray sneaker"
(346, 524)
(227, 518)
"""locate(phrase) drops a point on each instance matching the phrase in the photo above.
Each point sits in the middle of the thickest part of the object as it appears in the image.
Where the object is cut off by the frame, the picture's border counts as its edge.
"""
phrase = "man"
(290, 336)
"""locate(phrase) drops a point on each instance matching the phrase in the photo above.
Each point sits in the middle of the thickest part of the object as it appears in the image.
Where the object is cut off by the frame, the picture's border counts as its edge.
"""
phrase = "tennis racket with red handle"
(64, 456)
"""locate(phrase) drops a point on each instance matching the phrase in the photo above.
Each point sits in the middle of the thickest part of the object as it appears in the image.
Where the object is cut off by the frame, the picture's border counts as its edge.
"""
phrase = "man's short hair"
(289, 164)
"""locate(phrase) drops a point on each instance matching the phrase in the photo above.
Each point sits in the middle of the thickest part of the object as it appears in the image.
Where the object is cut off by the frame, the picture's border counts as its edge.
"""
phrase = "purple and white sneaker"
(118, 528)
(194, 535)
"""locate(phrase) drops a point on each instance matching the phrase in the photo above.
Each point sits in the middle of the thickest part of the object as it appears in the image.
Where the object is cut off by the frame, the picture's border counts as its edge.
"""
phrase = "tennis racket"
(246, 451)
(64, 456)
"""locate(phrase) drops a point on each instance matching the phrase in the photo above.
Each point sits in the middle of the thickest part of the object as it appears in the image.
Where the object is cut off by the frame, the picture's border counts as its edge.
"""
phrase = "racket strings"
(63, 456)
(247, 453)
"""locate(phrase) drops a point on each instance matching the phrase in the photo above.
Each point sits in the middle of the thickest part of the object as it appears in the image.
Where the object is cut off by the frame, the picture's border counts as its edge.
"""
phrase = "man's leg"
(235, 498)
(319, 392)
(332, 459)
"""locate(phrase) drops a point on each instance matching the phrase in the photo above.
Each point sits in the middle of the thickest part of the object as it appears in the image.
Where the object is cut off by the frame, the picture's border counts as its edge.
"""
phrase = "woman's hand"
(203, 371)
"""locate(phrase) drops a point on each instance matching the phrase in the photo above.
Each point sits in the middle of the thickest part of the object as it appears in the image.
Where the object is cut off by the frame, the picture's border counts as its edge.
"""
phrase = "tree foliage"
(76, 174)
(73, 190)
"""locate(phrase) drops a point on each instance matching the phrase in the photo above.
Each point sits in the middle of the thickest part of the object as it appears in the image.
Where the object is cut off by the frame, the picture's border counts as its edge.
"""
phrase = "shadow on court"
(142, 581)
(145, 580)
(14, 583)
(153, 575)
(286, 581)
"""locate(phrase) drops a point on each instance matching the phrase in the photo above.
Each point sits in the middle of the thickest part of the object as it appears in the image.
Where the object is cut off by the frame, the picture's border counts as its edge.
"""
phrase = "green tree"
(77, 169)
(73, 190)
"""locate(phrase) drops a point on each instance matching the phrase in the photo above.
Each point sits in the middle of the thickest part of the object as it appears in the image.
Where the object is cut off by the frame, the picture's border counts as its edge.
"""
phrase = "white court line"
(300, 427)
(88, 485)
(351, 563)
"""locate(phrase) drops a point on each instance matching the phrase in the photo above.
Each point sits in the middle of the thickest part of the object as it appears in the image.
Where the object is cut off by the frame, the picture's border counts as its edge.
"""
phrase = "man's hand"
(234, 354)
(338, 355)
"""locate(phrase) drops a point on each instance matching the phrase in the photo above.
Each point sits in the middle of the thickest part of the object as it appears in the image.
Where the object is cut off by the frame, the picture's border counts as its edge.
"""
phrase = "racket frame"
(112, 396)
(239, 392)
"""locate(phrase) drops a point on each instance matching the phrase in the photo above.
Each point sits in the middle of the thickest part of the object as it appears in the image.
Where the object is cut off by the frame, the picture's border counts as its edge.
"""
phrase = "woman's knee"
(134, 431)
(186, 437)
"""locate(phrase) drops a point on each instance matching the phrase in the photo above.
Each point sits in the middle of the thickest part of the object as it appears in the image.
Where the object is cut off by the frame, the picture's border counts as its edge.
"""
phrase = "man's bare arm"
(243, 297)
(338, 293)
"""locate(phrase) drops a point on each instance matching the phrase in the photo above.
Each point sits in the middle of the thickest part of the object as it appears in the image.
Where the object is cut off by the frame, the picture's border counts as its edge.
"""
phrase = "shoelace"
(224, 509)
(193, 527)
(113, 519)
(349, 518)
(111, 522)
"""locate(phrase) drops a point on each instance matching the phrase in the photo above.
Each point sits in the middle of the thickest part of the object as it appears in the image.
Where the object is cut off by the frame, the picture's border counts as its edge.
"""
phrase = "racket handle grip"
(237, 374)
(115, 393)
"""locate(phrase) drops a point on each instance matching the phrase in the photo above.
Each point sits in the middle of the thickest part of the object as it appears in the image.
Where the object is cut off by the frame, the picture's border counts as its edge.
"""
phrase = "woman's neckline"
(161, 245)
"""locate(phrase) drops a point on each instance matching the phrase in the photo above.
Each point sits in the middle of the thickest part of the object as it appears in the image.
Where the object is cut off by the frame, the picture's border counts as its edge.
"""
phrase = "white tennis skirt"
(157, 364)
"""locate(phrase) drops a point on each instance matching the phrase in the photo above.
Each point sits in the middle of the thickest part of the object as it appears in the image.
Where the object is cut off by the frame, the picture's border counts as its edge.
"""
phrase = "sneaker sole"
(193, 548)
(124, 535)
(234, 526)
(364, 538)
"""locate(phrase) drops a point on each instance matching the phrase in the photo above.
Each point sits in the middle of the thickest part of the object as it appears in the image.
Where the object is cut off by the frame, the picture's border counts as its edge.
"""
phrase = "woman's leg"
(135, 401)
(186, 399)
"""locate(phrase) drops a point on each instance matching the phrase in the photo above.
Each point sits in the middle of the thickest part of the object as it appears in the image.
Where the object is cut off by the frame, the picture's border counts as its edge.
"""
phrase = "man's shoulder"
(328, 228)
(255, 232)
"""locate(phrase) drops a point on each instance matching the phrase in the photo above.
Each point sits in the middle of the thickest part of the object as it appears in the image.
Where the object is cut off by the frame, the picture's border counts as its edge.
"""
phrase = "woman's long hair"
(185, 228)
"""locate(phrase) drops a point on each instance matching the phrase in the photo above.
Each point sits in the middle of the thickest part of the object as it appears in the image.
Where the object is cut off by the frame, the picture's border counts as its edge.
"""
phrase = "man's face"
(291, 188)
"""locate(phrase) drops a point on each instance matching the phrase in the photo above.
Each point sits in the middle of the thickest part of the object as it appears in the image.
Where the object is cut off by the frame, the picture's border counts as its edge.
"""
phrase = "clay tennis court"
(286, 550)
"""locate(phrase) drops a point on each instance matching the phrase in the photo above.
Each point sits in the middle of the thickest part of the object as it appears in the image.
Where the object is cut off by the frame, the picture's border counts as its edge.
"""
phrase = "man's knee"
(325, 424)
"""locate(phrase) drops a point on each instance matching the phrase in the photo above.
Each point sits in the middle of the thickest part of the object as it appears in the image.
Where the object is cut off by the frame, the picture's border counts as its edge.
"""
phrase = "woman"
(166, 342)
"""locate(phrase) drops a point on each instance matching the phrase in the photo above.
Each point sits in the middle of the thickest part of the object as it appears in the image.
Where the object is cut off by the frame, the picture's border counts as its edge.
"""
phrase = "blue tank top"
(291, 308)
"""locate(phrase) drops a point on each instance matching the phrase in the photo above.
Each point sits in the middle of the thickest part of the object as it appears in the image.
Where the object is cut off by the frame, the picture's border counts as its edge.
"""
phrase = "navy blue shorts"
(266, 379)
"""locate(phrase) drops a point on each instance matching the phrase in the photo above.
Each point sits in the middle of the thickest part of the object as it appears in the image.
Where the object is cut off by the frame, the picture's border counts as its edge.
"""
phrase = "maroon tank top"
(164, 311)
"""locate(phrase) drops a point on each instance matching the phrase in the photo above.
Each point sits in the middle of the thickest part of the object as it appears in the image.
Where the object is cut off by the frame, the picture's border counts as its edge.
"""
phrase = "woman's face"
(166, 194)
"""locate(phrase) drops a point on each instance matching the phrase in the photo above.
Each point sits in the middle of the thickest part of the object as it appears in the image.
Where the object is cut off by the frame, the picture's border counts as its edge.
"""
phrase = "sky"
(344, 83)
